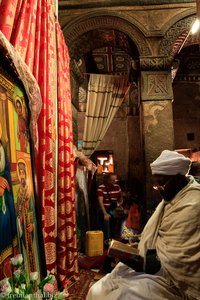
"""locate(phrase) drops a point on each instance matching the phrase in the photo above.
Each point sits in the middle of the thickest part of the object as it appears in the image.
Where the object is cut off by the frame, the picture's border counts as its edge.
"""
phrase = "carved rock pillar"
(157, 119)
(76, 77)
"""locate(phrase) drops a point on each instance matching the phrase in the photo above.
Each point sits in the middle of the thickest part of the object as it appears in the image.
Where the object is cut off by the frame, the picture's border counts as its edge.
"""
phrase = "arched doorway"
(115, 54)
(102, 46)
(123, 138)
(88, 35)
(110, 44)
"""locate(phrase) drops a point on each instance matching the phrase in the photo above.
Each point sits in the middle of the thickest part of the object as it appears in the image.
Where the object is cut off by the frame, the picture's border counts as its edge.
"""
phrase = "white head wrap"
(171, 163)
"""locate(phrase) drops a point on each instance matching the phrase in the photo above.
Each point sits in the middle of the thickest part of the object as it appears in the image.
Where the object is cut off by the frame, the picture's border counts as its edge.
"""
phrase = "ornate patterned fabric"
(30, 26)
(67, 253)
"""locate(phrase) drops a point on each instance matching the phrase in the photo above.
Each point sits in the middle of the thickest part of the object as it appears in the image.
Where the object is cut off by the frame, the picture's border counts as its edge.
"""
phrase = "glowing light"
(102, 159)
(105, 164)
(195, 26)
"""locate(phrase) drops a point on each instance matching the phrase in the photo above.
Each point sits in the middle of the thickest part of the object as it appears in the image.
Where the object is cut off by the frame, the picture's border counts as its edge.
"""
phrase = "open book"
(130, 256)
(122, 251)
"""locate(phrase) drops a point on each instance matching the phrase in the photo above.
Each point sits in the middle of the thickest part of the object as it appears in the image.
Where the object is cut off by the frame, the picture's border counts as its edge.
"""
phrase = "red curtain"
(67, 254)
(30, 26)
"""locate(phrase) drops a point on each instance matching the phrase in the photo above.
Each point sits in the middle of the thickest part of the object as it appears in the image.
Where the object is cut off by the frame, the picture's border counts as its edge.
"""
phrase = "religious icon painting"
(18, 225)
(21, 118)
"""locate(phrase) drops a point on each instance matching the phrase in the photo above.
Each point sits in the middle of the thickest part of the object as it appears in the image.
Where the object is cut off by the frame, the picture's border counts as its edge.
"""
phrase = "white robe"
(174, 230)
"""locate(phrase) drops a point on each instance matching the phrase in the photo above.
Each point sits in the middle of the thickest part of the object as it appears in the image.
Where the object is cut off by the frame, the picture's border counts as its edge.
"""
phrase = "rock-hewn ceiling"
(105, 50)
(111, 60)
(106, 3)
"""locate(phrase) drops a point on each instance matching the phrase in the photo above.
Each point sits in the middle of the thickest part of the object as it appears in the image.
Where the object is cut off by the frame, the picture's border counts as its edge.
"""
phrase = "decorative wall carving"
(112, 60)
(80, 27)
(187, 77)
(175, 36)
(156, 63)
(82, 94)
(97, 39)
(156, 86)
(76, 72)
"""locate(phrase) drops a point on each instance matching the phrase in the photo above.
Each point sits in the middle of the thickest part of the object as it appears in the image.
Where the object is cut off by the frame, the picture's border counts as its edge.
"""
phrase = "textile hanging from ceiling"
(67, 248)
(105, 95)
(30, 26)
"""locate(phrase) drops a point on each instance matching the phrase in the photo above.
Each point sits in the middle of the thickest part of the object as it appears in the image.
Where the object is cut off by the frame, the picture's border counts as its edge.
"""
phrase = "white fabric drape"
(176, 239)
(105, 95)
(82, 182)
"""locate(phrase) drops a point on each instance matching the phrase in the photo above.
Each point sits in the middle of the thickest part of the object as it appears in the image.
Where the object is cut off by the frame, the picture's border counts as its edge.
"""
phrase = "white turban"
(171, 163)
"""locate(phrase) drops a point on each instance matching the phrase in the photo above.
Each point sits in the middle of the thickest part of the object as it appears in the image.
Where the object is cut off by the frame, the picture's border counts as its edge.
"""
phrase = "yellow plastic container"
(94, 243)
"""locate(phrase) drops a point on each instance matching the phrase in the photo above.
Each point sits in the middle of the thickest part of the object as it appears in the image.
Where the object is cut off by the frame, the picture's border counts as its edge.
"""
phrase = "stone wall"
(124, 139)
(75, 124)
(186, 114)
(116, 139)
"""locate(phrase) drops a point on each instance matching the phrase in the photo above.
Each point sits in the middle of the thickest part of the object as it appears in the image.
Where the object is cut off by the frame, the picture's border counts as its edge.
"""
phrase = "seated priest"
(170, 243)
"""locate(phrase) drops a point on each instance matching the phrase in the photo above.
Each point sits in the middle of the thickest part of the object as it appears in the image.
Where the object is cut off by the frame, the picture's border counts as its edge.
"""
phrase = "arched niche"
(102, 20)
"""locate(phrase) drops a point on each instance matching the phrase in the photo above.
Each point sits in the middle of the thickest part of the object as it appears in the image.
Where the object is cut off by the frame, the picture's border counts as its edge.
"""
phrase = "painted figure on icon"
(25, 218)
(22, 130)
(8, 229)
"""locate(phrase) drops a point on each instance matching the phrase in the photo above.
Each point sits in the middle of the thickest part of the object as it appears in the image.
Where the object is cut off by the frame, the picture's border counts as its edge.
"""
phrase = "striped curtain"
(105, 95)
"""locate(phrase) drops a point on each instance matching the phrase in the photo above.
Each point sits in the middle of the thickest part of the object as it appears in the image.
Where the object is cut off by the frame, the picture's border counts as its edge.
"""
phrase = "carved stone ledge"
(76, 4)
(156, 63)
(187, 78)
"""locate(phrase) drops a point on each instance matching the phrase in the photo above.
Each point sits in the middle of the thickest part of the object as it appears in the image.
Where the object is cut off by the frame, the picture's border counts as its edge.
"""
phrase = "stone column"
(76, 78)
(157, 119)
(134, 136)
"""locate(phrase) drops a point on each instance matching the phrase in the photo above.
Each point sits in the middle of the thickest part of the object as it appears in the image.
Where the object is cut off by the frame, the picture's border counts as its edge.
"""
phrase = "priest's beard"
(175, 185)
(2, 159)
